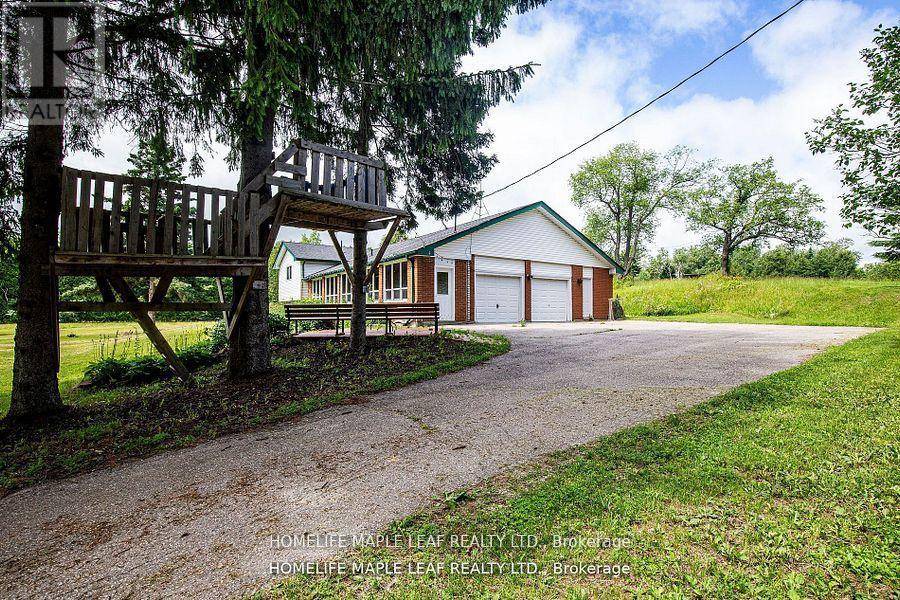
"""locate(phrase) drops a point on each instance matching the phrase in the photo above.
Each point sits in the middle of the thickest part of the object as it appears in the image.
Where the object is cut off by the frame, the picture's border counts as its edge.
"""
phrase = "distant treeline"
(832, 260)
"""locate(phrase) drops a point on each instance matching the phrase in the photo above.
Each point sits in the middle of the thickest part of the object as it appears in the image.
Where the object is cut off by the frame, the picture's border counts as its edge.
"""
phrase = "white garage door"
(497, 299)
(549, 299)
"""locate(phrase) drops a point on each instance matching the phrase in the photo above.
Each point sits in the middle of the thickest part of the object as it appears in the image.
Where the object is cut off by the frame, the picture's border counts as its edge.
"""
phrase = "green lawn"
(82, 343)
(783, 488)
(786, 300)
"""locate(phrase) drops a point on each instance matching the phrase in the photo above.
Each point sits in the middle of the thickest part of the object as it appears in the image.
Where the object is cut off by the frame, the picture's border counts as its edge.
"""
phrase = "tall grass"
(130, 343)
(785, 300)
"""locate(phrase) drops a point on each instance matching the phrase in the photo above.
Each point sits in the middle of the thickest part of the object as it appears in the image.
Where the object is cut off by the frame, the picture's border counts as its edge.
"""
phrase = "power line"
(648, 104)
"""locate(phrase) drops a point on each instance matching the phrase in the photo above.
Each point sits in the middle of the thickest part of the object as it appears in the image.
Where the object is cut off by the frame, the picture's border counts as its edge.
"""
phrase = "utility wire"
(651, 102)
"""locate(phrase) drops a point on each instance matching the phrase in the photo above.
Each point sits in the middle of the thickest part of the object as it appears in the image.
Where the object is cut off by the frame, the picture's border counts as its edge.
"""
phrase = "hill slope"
(787, 300)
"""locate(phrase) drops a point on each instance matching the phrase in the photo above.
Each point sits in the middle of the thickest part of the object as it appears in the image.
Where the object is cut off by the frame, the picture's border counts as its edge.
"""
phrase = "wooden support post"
(161, 288)
(106, 291)
(149, 327)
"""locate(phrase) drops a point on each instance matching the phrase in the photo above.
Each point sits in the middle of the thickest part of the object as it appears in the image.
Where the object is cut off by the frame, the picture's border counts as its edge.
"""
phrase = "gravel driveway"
(198, 522)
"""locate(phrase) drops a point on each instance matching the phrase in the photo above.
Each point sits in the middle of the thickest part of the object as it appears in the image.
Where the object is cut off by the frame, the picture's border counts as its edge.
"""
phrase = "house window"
(373, 288)
(395, 282)
(345, 290)
(332, 293)
(289, 272)
(317, 288)
(443, 283)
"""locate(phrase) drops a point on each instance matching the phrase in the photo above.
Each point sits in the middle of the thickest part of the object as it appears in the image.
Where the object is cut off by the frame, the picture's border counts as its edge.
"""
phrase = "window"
(395, 281)
(443, 283)
(331, 289)
(346, 296)
(317, 288)
(373, 288)
(288, 272)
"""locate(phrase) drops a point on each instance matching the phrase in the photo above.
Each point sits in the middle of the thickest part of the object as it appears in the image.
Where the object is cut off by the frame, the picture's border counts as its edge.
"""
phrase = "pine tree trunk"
(249, 347)
(358, 312)
(360, 252)
(35, 390)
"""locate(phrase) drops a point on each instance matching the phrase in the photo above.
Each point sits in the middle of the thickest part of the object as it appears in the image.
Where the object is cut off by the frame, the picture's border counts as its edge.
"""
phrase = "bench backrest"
(390, 310)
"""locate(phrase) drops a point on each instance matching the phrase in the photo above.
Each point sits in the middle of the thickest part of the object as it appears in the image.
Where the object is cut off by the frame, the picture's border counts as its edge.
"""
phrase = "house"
(295, 261)
(526, 263)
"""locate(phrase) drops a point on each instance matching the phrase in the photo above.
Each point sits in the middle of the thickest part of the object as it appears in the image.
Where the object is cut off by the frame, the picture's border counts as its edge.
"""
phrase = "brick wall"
(461, 296)
(577, 293)
(527, 290)
(423, 273)
(603, 291)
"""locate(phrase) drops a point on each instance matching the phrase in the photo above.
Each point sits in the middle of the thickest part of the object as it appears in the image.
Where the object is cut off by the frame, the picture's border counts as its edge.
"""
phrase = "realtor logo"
(43, 45)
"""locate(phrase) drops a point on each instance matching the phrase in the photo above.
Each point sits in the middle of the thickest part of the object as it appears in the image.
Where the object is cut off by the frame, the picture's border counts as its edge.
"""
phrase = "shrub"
(883, 270)
(112, 372)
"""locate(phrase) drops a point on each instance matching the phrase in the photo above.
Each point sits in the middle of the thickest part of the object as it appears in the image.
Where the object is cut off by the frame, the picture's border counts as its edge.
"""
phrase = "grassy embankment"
(786, 300)
(782, 488)
(83, 343)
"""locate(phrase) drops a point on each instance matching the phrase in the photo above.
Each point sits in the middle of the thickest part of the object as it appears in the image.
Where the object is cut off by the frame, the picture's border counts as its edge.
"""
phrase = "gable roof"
(425, 244)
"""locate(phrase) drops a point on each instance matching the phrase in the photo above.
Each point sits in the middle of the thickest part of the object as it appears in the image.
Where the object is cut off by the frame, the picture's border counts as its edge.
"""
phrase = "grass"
(782, 488)
(82, 343)
(786, 300)
(107, 426)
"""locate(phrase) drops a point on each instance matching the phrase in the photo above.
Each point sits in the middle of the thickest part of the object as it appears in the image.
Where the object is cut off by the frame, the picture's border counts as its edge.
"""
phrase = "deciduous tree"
(866, 141)
(741, 204)
(623, 191)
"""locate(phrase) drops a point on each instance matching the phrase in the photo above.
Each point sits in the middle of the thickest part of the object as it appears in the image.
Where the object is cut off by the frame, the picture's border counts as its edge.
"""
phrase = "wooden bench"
(389, 312)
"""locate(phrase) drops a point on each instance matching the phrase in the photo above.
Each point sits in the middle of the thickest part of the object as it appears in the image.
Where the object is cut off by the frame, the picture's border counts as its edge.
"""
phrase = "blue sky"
(600, 60)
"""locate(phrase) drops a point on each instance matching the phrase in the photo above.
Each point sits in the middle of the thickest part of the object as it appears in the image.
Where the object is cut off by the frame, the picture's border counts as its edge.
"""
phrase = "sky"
(600, 60)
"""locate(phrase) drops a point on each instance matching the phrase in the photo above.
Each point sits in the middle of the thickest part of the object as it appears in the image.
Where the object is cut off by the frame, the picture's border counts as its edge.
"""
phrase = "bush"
(833, 260)
(112, 372)
(883, 270)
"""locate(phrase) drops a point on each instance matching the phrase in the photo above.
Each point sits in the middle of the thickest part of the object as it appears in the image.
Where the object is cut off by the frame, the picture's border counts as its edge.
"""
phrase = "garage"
(549, 300)
(497, 299)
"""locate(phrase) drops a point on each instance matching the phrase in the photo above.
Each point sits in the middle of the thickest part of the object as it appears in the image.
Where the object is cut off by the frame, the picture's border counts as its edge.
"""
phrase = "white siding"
(505, 266)
(295, 287)
(550, 270)
(532, 235)
(290, 289)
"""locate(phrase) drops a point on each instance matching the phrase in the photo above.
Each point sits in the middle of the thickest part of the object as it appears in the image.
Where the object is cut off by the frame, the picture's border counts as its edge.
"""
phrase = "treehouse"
(115, 226)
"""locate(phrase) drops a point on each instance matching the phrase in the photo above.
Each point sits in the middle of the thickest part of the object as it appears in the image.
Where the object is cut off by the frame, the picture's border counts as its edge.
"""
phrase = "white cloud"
(685, 16)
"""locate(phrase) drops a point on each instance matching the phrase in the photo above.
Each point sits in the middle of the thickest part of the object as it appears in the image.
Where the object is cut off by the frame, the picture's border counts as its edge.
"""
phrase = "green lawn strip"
(784, 300)
(83, 343)
(108, 426)
(785, 487)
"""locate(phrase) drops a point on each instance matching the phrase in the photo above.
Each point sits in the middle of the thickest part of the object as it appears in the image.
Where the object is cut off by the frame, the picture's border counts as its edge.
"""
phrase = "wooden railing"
(104, 213)
(329, 174)
(117, 214)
